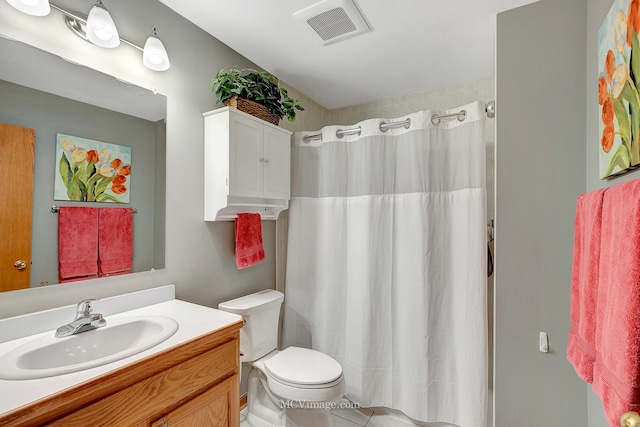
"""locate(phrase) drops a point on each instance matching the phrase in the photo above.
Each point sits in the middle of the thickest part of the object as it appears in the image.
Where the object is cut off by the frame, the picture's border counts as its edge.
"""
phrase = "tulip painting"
(618, 89)
(91, 171)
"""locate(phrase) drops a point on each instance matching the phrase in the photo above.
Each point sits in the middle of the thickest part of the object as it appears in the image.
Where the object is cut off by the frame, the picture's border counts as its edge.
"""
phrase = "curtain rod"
(489, 108)
(56, 209)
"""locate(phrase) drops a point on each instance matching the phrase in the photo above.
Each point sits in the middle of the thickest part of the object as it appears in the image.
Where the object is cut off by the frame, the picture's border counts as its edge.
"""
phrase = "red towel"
(616, 376)
(77, 243)
(581, 351)
(115, 250)
(249, 250)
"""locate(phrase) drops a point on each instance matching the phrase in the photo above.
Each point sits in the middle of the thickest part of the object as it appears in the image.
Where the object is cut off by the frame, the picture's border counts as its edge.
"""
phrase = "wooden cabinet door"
(277, 170)
(245, 156)
(218, 406)
(16, 192)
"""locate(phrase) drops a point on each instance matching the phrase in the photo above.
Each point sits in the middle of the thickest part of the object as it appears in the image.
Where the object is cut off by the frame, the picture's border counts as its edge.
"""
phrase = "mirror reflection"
(51, 96)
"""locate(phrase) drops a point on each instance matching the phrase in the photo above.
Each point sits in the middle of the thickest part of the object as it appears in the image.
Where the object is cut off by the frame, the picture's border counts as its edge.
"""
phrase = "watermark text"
(307, 404)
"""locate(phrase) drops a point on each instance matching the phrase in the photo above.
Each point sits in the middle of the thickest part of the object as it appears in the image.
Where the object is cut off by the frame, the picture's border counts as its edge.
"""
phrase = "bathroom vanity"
(192, 378)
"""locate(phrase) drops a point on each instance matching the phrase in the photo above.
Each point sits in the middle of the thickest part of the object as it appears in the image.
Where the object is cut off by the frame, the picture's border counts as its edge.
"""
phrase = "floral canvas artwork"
(618, 97)
(91, 171)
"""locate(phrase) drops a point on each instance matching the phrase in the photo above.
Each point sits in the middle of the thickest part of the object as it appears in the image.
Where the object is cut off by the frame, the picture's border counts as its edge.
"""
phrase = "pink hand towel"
(249, 250)
(581, 351)
(115, 251)
(77, 243)
(616, 376)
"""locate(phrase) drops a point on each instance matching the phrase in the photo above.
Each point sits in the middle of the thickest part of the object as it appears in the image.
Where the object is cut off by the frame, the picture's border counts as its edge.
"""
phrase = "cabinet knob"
(262, 159)
(266, 160)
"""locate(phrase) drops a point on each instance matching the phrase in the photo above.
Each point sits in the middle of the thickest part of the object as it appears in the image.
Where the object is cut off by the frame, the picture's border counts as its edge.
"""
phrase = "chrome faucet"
(85, 320)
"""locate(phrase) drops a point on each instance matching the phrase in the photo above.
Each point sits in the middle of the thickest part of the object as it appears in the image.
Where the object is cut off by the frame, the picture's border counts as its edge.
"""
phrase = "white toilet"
(280, 380)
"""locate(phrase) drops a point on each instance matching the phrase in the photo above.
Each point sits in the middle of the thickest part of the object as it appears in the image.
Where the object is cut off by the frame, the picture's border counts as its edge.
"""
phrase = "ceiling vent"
(333, 20)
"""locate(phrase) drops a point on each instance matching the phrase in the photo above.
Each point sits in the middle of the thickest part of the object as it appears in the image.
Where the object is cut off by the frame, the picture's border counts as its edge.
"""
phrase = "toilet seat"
(302, 374)
(305, 386)
(303, 367)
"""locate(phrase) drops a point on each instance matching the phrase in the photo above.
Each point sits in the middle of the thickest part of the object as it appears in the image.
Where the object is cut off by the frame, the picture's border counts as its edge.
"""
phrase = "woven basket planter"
(250, 107)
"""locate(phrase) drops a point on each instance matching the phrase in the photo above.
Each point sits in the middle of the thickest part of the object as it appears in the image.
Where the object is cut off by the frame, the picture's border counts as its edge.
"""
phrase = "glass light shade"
(155, 55)
(32, 7)
(101, 30)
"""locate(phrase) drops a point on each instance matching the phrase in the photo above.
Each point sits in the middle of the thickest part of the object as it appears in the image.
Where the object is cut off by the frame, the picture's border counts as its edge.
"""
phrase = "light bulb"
(155, 59)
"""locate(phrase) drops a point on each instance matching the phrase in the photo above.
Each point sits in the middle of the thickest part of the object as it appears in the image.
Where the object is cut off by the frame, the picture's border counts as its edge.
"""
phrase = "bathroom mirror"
(43, 92)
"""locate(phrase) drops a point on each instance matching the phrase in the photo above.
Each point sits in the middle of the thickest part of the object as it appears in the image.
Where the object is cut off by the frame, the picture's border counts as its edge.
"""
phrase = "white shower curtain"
(386, 263)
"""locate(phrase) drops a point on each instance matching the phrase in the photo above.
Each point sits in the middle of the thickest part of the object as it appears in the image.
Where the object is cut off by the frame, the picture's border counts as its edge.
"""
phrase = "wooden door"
(16, 194)
(217, 406)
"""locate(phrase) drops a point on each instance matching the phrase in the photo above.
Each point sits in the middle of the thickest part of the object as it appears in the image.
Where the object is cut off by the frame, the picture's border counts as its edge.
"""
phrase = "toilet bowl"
(294, 378)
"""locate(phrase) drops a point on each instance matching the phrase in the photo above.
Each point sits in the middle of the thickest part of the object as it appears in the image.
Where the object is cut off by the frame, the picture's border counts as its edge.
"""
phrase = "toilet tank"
(261, 312)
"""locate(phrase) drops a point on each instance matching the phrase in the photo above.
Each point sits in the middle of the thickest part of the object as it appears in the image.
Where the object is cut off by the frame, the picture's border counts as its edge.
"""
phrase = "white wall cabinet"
(247, 165)
(259, 157)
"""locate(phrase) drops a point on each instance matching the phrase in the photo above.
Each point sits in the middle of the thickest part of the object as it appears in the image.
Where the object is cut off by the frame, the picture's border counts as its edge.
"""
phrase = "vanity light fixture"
(154, 55)
(32, 7)
(99, 29)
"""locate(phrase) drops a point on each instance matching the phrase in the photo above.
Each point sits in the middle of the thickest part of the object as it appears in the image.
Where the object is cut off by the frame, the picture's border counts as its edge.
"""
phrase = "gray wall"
(50, 114)
(540, 161)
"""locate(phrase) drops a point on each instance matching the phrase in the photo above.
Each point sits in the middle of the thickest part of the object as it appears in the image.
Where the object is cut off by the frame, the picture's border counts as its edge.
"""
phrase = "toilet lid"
(303, 366)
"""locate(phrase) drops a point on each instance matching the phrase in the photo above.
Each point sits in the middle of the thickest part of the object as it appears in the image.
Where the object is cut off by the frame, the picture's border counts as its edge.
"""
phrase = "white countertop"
(193, 320)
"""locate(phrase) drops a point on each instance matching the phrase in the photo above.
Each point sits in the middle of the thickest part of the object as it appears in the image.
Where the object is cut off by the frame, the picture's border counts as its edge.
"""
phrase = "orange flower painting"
(618, 84)
(91, 171)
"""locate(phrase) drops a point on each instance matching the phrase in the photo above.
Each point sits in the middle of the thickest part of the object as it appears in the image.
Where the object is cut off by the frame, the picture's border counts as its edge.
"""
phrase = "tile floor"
(339, 418)
(365, 417)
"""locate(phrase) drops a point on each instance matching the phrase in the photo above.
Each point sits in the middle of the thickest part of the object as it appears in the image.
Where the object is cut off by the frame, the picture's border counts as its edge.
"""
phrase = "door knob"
(20, 264)
(630, 419)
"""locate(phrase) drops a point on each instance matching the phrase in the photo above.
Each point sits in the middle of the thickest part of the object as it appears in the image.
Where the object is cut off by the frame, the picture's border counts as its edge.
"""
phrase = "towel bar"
(630, 419)
(56, 209)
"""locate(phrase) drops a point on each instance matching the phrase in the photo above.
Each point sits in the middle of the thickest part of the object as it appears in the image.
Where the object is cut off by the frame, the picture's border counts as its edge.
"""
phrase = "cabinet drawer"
(153, 396)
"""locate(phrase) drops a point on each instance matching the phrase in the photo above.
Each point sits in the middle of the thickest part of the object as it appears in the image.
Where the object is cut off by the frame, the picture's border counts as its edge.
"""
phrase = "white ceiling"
(414, 45)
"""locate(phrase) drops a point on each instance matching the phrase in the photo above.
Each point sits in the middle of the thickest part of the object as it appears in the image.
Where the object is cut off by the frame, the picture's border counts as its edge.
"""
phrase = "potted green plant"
(233, 88)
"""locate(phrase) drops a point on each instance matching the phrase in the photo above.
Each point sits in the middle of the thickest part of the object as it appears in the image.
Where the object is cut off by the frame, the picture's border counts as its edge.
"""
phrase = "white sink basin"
(48, 356)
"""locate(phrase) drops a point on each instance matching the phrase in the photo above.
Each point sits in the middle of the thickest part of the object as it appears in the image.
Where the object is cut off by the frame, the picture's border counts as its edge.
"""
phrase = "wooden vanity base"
(196, 383)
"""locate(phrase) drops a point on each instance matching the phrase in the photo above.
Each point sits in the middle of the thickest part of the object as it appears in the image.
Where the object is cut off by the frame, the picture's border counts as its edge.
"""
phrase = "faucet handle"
(85, 307)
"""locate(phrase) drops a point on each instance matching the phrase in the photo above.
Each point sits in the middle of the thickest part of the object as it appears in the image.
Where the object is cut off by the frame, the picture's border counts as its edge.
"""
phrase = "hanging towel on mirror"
(581, 351)
(616, 372)
(115, 251)
(77, 243)
(249, 249)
